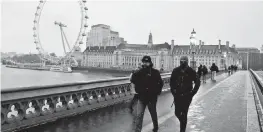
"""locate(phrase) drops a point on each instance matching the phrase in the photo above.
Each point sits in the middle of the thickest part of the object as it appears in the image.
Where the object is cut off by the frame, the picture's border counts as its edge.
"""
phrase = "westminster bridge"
(232, 103)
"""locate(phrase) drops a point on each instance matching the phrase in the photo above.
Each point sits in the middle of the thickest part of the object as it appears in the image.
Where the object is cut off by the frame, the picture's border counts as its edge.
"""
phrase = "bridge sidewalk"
(164, 109)
(222, 108)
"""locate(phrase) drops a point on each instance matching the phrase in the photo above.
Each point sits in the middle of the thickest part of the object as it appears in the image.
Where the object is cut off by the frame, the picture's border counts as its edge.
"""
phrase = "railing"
(30, 106)
(258, 95)
(258, 79)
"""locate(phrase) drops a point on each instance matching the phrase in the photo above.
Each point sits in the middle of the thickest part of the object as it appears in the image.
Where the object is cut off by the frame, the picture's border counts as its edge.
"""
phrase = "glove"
(192, 93)
(173, 91)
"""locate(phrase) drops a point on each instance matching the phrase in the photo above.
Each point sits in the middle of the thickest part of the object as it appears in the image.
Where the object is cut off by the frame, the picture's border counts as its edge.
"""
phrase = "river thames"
(12, 78)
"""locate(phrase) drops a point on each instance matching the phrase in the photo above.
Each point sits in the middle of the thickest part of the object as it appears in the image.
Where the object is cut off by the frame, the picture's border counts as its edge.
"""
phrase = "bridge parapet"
(258, 96)
(29, 106)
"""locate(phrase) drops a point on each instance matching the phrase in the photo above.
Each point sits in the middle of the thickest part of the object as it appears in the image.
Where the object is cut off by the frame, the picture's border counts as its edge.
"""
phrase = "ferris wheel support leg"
(63, 40)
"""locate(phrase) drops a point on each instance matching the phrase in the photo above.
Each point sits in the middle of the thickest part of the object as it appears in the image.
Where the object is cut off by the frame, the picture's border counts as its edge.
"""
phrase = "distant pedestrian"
(148, 84)
(232, 69)
(229, 70)
(235, 68)
(199, 71)
(204, 72)
(182, 89)
(214, 70)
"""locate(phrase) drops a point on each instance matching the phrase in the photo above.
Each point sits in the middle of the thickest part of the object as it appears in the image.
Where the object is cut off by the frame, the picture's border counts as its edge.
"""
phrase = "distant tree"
(53, 54)
(29, 58)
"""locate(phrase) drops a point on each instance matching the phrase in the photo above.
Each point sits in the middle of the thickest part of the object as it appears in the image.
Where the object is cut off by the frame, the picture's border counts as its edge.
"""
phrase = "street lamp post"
(224, 60)
(162, 66)
(247, 59)
(193, 60)
(192, 45)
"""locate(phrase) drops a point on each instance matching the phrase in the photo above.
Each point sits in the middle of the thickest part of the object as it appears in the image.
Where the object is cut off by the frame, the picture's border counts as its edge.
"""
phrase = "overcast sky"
(241, 23)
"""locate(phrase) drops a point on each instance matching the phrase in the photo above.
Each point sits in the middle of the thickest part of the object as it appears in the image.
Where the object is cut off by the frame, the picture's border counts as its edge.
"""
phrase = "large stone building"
(102, 35)
(164, 56)
(252, 58)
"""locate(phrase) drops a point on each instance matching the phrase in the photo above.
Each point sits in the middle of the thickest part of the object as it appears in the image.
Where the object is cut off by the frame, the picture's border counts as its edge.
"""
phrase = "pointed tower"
(193, 39)
(150, 40)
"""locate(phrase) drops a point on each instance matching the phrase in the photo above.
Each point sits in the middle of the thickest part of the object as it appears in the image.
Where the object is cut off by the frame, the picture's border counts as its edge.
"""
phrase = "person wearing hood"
(148, 85)
(181, 83)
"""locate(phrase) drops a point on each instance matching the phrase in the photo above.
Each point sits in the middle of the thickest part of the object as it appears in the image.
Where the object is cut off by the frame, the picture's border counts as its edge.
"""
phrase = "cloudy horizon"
(241, 23)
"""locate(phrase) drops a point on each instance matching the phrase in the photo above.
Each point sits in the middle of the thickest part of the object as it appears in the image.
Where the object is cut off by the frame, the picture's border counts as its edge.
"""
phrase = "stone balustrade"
(258, 96)
(30, 106)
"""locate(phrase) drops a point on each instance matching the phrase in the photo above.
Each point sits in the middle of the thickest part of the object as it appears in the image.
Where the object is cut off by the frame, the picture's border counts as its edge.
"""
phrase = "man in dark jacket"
(199, 71)
(181, 83)
(214, 70)
(148, 84)
(135, 97)
(229, 70)
(205, 71)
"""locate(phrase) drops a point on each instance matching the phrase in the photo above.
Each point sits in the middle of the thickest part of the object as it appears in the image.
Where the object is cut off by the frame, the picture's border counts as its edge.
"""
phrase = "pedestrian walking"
(148, 84)
(199, 71)
(204, 71)
(135, 97)
(214, 70)
(182, 89)
(232, 69)
(229, 70)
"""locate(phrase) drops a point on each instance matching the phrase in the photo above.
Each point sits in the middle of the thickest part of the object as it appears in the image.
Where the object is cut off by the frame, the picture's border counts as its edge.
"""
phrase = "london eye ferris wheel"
(44, 55)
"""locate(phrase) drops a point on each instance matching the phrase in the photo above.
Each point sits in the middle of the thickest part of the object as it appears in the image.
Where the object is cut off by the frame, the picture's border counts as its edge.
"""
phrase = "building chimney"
(227, 44)
(203, 43)
(172, 45)
(200, 44)
(234, 46)
(219, 44)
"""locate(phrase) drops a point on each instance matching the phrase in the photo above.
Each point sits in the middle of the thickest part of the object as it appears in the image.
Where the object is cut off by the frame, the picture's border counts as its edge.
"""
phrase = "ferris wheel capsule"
(34, 28)
(35, 42)
(34, 35)
(41, 1)
(83, 34)
(85, 25)
(38, 7)
(86, 17)
(35, 21)
(80, 42)
(84, 1)
(86, 8)
(36, 14)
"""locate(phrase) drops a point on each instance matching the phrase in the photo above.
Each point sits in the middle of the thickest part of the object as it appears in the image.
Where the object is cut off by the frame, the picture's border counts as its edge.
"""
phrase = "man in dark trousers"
(205, 71)
(181, 83)
(214, 70)
(200, 70)
(148, 85)
(135, 97)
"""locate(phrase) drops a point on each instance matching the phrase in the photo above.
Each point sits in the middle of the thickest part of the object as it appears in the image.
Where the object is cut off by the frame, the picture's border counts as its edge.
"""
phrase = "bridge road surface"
(118, 118)
(222, 109)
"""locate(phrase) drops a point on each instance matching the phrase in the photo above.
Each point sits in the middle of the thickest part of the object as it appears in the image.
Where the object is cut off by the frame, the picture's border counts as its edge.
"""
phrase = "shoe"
(130, 109)
(155, 129)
